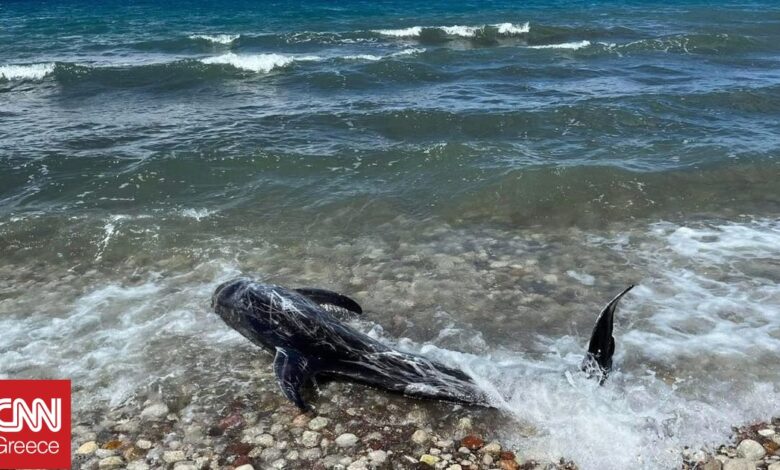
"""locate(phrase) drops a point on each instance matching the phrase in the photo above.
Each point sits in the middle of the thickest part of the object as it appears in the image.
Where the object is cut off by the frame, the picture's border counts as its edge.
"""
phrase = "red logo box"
(34, 424)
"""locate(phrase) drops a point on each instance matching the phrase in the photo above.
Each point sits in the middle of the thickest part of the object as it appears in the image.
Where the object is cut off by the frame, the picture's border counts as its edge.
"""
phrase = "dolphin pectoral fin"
(292, 370)
(598, 360)
(330, 300)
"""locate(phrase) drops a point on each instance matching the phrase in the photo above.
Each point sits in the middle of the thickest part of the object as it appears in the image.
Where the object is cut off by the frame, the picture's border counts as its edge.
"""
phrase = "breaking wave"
(225, 39)
(26, 72)
(259, 62)
(566, 45)
(504, 29)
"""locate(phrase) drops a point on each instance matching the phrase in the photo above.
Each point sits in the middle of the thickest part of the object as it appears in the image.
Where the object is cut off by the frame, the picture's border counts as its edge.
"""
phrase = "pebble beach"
(481, 177)
(263, 431)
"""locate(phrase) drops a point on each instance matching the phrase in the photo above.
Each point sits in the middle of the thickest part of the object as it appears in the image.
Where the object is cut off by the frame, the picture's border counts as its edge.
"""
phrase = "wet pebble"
(377, 457)
(472, 442)
(300, 421)
(318, 423)
(137, 465)
(359, 464)
(155, 411)
(346, 440)
(87, 448)
(738, 464)
(173, 456)
(265, 440)
(311, 454)
(420, 437)
(494, 448)
(310, 438)
(143, 444)
(750, 450)
(465, 423)
(271, 454)
(110, 463)
(103, 453)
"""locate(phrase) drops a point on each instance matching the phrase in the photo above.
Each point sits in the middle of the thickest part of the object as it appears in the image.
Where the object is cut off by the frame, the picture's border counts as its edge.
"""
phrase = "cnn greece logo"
(35, 424)
(34, 417)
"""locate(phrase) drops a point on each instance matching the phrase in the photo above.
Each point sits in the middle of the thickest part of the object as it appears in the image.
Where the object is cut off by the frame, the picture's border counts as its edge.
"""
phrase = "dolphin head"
(245, 306)
(225, 294)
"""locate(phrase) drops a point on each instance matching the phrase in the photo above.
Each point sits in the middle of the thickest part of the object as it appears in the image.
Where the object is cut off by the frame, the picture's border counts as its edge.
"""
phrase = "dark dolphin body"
(308, 340)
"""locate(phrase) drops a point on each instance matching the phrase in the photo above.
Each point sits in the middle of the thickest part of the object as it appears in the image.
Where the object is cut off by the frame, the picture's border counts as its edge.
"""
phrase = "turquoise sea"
(481, 176)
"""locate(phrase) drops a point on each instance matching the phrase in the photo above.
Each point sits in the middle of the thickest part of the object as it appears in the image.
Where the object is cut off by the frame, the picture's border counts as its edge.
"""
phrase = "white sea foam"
(258, 62)
(197, 214)
(26, 72)
(104, 338)
(410, 51)
(564, 45)
(374, 58)
(217, 38)
(461, 31)
(412, 32)
(506, 29)
(370, 57)
(512, 29)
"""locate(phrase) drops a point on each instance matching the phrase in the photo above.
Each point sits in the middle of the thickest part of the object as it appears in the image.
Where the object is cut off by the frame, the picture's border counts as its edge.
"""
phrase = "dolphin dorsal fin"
(330, 300)
(293, 371)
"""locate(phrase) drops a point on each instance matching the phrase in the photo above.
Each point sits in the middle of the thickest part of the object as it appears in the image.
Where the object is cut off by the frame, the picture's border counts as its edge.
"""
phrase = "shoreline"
(262, 431)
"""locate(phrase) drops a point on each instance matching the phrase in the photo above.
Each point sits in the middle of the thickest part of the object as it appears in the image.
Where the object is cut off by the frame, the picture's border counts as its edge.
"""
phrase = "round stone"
(143, 444)
(265, 440)
(346, 440)
(377, 457)
(110, 463)
(310, 438)
(751, 450)
(87, 448)
(155, 411)
(420, 437)
(173, 456)
(318, 423)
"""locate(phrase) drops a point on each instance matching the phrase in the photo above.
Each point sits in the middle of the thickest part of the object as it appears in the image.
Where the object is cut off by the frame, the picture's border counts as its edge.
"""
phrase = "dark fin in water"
(329, 300)
(598, 360)
(292, 372)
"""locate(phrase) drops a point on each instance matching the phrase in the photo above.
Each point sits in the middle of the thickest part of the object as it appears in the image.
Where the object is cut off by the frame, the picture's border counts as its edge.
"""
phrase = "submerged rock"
(155, 411)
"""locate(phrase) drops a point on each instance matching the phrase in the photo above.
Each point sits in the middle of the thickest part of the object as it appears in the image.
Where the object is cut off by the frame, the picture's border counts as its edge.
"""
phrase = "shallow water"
(481, 178)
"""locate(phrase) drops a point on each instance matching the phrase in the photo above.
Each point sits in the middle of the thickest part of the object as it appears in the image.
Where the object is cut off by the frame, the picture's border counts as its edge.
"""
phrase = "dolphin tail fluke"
(329, 300)
(293, 371)
(598, 360)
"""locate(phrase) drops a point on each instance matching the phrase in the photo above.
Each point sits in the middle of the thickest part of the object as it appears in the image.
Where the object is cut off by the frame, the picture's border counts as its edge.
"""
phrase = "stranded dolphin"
(300, 328)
